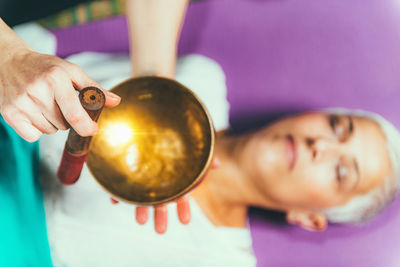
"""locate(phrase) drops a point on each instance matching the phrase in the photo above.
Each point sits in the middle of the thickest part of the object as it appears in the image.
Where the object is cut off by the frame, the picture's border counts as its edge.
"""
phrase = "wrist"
(155, 63)
(152, 72)
(154, 69)
(8, 53)
(10, 43)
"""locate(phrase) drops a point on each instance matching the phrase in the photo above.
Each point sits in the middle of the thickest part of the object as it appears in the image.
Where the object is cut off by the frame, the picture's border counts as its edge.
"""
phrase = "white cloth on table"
(85, 229)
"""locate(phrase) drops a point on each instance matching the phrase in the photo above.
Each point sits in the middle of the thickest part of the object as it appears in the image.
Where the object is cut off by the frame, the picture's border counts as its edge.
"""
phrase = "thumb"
(112, 99)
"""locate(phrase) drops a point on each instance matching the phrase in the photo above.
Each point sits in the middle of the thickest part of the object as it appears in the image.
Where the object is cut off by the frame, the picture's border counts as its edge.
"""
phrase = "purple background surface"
(289, 55)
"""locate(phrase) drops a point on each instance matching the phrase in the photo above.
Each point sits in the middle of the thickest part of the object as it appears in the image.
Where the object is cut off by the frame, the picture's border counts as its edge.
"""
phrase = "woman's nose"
(322, 148)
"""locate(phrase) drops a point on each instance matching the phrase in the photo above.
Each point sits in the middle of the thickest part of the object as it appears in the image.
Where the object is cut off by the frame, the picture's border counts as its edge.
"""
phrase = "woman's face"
(316, 160)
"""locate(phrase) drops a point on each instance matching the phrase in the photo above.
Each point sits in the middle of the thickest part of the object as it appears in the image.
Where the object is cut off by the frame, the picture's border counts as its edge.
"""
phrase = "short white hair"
(365, 207)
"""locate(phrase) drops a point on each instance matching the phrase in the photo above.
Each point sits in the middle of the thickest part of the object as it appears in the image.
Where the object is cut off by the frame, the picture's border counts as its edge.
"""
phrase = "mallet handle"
(77, 147)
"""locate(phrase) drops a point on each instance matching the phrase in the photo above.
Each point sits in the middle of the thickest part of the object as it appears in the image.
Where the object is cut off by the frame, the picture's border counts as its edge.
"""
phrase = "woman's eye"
(338, 128)
(333, 120)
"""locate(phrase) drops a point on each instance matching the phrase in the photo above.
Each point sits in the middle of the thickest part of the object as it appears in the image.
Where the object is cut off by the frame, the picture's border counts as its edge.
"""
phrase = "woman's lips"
(291, 151)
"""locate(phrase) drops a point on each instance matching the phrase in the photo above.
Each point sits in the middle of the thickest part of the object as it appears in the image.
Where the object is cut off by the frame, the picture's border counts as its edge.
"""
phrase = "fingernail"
(113, 96)
(215, 163)
(141, 219)
(95, 127)
(185, 219)
(161, 219)
(141, 215)
(161, 229)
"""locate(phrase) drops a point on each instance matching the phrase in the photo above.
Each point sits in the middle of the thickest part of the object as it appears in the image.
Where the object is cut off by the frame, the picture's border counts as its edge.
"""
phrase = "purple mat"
(288, 55)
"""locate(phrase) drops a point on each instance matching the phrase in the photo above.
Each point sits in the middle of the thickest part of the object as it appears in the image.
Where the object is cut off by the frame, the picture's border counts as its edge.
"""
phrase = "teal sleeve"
(23, 235)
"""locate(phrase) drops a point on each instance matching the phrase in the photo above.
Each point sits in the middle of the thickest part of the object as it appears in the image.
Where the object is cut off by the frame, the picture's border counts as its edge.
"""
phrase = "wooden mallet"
(77, 147)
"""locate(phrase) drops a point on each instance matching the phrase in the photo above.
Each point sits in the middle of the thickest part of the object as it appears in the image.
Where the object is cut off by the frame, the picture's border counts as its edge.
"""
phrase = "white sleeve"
(37, 37)
(206, 79)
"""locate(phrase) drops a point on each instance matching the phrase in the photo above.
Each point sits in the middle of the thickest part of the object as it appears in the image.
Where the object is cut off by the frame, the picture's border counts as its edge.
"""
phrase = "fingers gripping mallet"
(77, 147)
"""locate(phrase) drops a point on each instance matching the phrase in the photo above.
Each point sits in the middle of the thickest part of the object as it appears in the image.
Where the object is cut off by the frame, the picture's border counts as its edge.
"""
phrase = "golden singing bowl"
(155, 146)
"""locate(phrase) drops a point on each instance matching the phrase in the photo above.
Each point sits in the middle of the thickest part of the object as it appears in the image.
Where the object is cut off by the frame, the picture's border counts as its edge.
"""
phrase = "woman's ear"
(310, 221)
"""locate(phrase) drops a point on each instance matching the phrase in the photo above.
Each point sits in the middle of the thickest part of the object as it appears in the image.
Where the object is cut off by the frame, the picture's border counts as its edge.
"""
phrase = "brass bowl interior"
(155, 145)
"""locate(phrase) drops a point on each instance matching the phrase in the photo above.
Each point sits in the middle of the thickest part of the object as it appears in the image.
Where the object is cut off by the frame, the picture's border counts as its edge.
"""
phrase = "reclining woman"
(336, 166)
(316, 167)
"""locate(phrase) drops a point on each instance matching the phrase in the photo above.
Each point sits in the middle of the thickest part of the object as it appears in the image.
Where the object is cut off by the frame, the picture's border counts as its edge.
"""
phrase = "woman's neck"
(227, 191)
(221, 195)
(216, 194)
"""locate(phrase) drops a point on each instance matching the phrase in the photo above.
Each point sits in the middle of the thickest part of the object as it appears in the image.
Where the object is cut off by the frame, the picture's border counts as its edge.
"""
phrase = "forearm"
(154, 27)
(9, 42)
